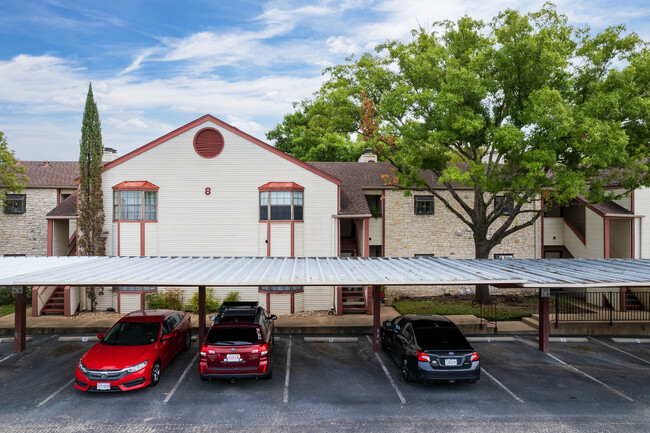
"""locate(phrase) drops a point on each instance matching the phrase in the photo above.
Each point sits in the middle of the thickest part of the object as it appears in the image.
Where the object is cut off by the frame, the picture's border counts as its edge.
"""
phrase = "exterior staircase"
(354, 300)
(55, 305)
(632, 302)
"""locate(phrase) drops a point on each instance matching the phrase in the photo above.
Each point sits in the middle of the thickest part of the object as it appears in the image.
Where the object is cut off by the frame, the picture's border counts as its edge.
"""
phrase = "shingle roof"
(67, 208)
(611, 208)
(357, 176)
(52, 174)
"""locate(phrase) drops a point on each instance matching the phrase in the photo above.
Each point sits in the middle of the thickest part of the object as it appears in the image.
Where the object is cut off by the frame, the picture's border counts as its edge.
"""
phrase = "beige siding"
(376, 228)
(619, 239)
(261, 298)
(111, 241)
(74, 299)
(299, 302)
(106, 300)
(222, 223)
(642, 208)
(129, 239)
(129, 302)
(594, 238)
(299, 240)
(263, 234)
(280, 304)
(638, 234)
(625, 202)
(553, 231)
(318, 298)
(281, 240)
(60, 237)
(150, 238)
(247, 294)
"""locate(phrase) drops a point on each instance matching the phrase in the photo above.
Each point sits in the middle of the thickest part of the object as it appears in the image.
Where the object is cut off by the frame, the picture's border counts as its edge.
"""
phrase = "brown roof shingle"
(52, 174)
(67, 208)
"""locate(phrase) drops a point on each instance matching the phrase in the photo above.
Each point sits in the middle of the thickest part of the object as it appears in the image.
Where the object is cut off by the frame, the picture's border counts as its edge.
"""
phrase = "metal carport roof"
(320, 271)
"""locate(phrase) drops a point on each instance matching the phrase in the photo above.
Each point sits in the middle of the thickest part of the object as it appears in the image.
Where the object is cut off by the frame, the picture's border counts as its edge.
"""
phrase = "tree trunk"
(482, 295)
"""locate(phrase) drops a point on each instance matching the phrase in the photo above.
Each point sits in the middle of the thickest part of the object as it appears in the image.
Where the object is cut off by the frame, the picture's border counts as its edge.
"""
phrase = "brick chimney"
(367, 156)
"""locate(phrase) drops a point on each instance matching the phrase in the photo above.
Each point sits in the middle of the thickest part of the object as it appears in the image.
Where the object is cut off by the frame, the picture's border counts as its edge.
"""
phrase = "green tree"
(12, 175)
(92, 237)
(526, 107)
(313, 134)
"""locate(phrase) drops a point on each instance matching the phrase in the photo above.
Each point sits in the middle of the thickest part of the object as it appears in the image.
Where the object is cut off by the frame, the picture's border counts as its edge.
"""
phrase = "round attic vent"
(208, 143)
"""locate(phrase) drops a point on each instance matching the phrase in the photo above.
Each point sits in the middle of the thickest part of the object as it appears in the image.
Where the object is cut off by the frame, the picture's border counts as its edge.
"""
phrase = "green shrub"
(171, 299)
(212, 304)
(231, 297)
(7, 296)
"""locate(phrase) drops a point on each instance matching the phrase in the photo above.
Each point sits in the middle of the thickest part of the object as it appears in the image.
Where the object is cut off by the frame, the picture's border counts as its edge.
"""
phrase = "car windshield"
(432, 338)
(132, 334)
(233, 336)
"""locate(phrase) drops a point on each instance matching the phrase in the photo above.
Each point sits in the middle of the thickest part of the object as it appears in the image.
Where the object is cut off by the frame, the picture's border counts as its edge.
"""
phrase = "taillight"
(475, 356)
(204, 351)
(422, 356)
(264, 349)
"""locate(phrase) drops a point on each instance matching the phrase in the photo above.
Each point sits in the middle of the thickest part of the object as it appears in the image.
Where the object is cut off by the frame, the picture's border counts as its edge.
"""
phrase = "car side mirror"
(167, 337)
(100, 336)
(273, 317)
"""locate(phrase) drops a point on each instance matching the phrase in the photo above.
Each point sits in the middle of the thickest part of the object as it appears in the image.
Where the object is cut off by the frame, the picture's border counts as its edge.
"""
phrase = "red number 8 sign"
(208, 191)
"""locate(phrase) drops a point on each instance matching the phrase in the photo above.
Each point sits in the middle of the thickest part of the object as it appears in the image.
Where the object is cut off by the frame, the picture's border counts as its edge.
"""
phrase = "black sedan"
(430, 348)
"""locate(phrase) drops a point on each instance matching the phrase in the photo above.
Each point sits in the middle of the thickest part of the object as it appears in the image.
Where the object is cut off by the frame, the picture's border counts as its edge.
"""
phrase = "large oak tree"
(525, 106)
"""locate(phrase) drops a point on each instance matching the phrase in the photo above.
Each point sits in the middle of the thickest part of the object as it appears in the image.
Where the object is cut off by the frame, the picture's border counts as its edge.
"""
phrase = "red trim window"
(281, 289)
(135, 201)
(281, 201)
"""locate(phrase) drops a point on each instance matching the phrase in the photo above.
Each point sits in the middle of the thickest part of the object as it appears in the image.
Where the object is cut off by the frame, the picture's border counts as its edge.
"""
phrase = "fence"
(604, 306)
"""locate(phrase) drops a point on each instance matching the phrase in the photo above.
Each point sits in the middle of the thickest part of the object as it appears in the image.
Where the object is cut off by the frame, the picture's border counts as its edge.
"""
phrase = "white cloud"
(341, 45)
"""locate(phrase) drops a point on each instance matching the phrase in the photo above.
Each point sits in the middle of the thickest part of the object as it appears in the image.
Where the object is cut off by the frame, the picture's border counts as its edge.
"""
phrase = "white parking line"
(180, 379)
(512, 394)
(622, 351)
(604, 385)
(390, 378)
(7, 357)
(285, 394)
(55, 393)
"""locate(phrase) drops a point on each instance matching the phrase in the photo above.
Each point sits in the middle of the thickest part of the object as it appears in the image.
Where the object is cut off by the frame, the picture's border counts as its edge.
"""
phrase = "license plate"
(451, 362)
(103, 386)
(233, 357)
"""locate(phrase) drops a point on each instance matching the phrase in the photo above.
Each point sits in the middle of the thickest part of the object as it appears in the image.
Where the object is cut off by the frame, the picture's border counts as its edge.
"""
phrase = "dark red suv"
(239, 343)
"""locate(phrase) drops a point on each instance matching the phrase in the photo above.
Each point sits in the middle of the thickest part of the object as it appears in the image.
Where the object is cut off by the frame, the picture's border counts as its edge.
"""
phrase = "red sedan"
(134, 351)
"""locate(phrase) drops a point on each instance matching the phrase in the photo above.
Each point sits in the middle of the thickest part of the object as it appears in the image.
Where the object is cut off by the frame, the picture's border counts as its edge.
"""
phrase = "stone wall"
(443, 234)
(27, 233)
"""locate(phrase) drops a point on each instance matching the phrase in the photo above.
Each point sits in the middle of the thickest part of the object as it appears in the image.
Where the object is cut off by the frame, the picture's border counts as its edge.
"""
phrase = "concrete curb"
(12, 339)
(566, 339)
(331, 339)
(490, 339)
(631, 340)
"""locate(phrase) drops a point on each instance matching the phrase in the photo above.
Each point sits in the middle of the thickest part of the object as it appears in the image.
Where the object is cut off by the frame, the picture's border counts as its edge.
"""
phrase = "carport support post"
(20, 324)
(376, 319)
(544, 326)
(201, 314)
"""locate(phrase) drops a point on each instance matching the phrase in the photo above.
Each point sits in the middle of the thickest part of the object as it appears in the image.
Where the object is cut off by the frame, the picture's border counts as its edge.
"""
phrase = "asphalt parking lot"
(590, 385)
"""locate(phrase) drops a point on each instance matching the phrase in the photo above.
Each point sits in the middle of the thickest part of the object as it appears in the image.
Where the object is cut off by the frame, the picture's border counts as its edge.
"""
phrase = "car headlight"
(82, 367)
(136, 367)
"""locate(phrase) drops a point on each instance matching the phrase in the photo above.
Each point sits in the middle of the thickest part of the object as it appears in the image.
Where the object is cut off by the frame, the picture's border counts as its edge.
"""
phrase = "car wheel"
(407, 372)
(188, 340)
(155, 374)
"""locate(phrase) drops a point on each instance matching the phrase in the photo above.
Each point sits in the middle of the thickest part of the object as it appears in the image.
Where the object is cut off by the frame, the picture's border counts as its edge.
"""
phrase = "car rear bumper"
(228, 376)
(433, 374)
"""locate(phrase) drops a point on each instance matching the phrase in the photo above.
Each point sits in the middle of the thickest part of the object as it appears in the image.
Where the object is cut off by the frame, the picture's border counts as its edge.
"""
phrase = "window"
(508, 207)
(280, 289)
(15, 204)
(135, 201)
(423, 205)
(504, 256)
(424, 255)
(136, 289)
(281, 205)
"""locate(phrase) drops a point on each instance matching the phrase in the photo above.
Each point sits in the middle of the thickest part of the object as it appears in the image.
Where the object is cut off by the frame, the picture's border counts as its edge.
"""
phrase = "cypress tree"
(91, 234)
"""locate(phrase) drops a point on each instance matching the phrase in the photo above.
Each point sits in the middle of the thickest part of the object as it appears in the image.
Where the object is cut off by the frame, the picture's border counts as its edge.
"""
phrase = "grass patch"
(507, 307)
(7, 309)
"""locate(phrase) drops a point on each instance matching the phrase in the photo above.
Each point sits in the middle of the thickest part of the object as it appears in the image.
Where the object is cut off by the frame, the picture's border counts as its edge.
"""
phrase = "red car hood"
(102, 356)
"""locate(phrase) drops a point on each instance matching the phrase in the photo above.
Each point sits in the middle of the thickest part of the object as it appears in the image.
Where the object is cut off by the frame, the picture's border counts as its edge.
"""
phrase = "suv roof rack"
(238, 309)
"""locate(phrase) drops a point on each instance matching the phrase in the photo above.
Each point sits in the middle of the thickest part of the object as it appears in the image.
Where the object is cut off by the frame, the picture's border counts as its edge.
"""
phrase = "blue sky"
(156, 65)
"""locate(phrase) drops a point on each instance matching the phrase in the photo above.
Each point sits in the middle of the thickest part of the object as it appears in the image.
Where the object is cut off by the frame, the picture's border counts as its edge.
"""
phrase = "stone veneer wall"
(27, 233)
(408, 234)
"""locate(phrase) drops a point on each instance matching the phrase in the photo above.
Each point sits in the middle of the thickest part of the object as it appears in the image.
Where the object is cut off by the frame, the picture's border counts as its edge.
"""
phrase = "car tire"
(155, 374)
(188, 341)
(407, 371)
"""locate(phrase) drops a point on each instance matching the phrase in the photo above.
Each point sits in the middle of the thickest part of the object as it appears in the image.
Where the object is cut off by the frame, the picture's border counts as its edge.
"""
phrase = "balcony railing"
(602, 306)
